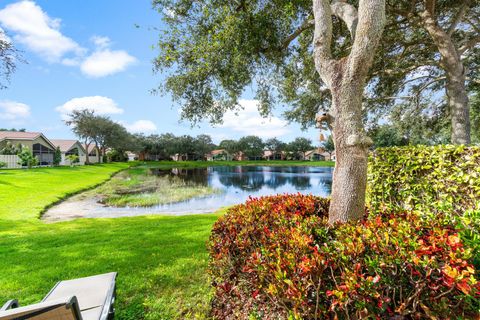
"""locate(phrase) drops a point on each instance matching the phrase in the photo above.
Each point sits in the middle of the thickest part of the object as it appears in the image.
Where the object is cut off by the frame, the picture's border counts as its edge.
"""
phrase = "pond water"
(236, 185)
(239, 183)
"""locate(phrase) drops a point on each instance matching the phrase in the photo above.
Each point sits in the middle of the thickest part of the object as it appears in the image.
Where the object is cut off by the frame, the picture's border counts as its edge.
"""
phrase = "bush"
(277, 258)
(117, 156)
(57, 157)
(434, 179)
(3, 164)
(73, 159)
(438, 178)
(27, 159)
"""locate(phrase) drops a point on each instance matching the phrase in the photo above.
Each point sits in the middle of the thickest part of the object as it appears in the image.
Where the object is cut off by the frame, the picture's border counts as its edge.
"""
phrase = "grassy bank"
(161, 260)
(138, 187)
(25, 193)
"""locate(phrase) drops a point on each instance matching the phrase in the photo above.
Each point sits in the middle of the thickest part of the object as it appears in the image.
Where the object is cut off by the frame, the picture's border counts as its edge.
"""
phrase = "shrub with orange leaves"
(277, 258)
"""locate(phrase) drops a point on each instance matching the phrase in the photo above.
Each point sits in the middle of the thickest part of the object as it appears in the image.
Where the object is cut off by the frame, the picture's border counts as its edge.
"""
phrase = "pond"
(235, 185)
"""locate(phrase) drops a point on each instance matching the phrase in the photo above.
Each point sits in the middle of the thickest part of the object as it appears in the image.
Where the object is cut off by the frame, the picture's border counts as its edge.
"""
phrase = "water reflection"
(240, 182)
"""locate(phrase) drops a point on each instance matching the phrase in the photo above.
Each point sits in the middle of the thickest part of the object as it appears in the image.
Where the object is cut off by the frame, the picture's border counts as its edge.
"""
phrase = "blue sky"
(91, 53)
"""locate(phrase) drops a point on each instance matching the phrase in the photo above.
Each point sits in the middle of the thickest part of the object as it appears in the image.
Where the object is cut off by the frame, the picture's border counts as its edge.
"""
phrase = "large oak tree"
(432, 48)
(213, 49)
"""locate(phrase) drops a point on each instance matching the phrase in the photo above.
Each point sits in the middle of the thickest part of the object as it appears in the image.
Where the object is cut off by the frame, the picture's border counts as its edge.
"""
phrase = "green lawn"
(161, 260)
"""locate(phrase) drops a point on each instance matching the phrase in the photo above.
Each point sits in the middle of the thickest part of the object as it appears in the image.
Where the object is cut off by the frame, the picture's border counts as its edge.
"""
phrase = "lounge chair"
(90, 298)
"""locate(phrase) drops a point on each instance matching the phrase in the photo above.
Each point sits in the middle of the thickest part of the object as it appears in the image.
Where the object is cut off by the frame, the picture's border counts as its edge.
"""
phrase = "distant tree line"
(161, 147)
(106, 134)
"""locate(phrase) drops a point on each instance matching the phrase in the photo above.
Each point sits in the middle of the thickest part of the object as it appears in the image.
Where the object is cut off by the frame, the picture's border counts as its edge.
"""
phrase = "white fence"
(10, 160)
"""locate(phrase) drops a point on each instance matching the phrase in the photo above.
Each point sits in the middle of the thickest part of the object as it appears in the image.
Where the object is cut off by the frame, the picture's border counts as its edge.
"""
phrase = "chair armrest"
(65, 308)
(11, 304)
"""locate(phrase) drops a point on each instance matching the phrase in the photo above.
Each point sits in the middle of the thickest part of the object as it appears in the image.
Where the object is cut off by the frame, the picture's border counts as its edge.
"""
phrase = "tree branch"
(371, 21)
(322, 40)
(469, 44)
(305, 26)
(458, 17)
(347, 13)
(430, 6)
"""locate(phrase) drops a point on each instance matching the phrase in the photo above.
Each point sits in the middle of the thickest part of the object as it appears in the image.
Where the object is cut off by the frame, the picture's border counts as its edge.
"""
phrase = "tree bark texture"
(451, 63)
(87, 146)
(346, 79)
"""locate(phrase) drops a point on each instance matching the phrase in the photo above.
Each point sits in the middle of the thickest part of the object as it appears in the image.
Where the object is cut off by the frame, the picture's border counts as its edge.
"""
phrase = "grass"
(24, 194)
(136, 187)
(161, 261)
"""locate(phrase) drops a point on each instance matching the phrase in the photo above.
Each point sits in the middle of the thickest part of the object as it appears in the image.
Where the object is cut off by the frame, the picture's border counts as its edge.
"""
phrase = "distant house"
(318, 154)
(272, 155)
(132, 156)
(219, 155)
(186, 157)
(93, 153)
(41, 147)
(240, 156)
(70, 147)
(150, 156)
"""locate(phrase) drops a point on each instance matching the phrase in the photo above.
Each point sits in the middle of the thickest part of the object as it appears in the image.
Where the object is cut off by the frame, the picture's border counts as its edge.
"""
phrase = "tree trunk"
(458, 104)
(351, 145)
(87, 146)
(346, 79)
(451, 63)
(99, 152)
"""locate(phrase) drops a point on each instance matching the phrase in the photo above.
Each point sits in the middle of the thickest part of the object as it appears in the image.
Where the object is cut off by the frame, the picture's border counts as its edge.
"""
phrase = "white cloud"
(101, 42)
(36, 30)
(100, 105)
(40, 33)
(249, 122)
(13, 111)
(141, 126)
(105, 62)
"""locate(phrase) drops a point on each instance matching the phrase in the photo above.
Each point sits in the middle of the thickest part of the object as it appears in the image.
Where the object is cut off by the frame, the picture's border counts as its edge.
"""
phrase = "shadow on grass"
(161, 261)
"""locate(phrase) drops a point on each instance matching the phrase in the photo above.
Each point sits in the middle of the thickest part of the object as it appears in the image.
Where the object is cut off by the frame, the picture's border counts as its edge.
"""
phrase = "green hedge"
(438, 179)
(425, 178)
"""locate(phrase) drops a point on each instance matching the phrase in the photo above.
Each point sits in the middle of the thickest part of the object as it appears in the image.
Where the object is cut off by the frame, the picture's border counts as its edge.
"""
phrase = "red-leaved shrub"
(277, 258)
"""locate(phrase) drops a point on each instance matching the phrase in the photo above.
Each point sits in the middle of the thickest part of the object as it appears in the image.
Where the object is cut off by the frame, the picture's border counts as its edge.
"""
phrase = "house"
(319, 154)
(272, 155)
(93, 153)
(240, 156)
(41, 147)
(132, 156)
(70, 147)
(219, 155)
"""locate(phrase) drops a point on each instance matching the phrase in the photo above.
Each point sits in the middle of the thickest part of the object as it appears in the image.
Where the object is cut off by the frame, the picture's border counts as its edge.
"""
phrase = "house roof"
(19, 135)
(66, 145)
(315, 151)
(216, 152)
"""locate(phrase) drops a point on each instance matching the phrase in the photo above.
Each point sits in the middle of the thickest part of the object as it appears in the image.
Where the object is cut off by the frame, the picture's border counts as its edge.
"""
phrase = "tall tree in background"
(329, 146)
(301, 145)
(433, 47)
(217, 48)
(203, 145)
(251, 146)
(274, 145)
(231, 146)
(83, 123)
